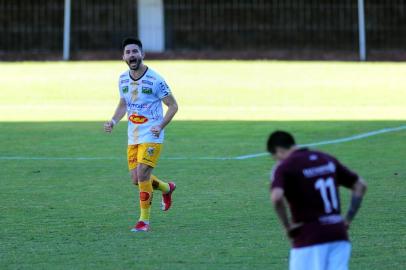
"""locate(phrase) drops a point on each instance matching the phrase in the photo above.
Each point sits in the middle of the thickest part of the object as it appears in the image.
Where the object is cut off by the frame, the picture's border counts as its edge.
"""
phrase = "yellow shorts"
(145, 153)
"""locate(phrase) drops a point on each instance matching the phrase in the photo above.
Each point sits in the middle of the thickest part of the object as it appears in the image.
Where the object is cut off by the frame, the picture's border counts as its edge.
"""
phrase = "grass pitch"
(63, 213)
(210, 90)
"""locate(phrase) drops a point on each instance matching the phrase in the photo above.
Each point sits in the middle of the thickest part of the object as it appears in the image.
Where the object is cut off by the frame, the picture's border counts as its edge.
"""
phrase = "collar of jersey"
(129, 74)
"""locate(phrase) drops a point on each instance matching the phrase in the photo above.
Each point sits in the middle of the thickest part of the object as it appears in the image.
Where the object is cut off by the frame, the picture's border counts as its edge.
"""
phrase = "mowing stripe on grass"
(107, 158)
(336, 141)
(342, 140)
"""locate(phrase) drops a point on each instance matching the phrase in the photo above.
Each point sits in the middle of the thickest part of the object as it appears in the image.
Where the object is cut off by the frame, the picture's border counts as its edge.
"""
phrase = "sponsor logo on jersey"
(138, 119)
(147, 90)
(164, 89)
(150, 151)
(134, 83)
(163, 86)
(147, 82)
(135, 106)
(124, 81)
(150, 77)
(124, 89)
(319, 170)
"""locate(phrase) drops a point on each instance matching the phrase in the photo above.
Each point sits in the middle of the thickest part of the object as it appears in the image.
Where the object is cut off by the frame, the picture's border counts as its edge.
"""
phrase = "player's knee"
(134, 178)
(143, 176)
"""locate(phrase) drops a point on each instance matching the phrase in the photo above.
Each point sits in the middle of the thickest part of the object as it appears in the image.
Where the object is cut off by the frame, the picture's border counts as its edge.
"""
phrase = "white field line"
(342, 140)
(106, 158)
(336, 141)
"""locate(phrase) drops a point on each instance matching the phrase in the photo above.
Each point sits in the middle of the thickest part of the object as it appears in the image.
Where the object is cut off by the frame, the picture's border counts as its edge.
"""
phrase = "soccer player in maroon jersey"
(309, 180)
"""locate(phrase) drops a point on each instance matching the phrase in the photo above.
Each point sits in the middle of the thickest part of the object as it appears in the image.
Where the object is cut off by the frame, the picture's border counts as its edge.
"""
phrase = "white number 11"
(327, 184)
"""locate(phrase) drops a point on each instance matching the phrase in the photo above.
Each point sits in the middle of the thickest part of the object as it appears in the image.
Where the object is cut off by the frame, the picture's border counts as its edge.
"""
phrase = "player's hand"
(156, 130)
(108, 126)
(293, 230)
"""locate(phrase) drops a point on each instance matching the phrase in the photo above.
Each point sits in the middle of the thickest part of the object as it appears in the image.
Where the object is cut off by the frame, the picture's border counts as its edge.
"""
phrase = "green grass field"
(60, 212)
(210, 90)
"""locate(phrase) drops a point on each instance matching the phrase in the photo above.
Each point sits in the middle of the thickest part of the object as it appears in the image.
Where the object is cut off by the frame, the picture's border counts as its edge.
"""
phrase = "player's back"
(310, 180)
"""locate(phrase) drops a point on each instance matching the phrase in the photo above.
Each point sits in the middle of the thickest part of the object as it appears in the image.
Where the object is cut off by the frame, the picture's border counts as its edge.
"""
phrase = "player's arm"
(358, 191)
(351, 180)
(172, 105)
(118, 115)
(278, 201)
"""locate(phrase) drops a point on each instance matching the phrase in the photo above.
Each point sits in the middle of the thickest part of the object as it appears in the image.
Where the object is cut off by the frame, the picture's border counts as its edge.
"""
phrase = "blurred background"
(325, 70)
(239, 29)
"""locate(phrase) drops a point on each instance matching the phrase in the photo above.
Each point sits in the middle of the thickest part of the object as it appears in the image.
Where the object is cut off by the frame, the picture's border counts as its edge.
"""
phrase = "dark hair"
(281, 139)
(131, 40)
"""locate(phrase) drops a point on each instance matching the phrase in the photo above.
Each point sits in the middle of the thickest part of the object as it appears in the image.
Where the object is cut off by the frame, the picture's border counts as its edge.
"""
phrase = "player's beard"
(134, 64)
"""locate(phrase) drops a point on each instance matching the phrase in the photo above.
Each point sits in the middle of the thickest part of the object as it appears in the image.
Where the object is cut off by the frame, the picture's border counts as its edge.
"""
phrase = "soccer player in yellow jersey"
(142, 92)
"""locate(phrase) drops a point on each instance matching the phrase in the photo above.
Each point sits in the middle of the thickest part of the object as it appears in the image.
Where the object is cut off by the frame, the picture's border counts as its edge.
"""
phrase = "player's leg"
(152, 151)
(146, 192)
(134, 176)
(339, 255)
(149, 154)
(167, 190)
(312, 257)
(132, 157)
(132, 151)
(158, 184)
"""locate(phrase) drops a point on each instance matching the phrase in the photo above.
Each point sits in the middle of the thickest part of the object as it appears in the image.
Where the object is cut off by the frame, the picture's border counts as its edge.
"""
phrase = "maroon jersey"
(310, 181)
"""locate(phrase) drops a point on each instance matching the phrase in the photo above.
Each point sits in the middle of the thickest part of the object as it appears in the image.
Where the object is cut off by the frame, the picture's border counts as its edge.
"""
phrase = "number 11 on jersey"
(326, 186)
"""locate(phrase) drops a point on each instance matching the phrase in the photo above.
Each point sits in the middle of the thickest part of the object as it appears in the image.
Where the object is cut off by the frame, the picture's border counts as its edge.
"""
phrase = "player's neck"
(139, 72)
(292, 149)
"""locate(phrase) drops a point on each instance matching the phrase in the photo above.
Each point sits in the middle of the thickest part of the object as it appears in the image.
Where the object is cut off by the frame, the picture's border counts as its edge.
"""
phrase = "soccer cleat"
(167, 198)
(141, 226)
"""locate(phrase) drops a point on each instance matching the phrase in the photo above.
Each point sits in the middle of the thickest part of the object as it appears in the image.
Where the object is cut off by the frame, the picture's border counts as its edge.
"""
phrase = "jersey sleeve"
(119, 89)
(162, 89)
(278, 177)
(345, 177)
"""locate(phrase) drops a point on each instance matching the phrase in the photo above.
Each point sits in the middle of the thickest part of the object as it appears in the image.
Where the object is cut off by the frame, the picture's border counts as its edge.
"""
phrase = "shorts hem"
(130, 168)
(151, 164)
